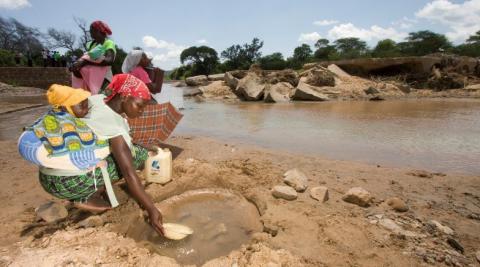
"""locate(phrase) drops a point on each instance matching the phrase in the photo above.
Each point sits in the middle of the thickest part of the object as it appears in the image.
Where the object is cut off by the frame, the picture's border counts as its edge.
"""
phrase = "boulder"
(92, 221)
(216, 77)
(358, 196)
(279, 92)
(197, 80)
(308, 66)
(320, 76)
(288, 75)
(477, 255)
(188, 92)
(231, 81)
(285, 192)
(251, 87)
(371, 91)
(296, 179)
(339, 72)
(179, 84)
(51, 212)
(397, 204)
(308, 92)
(217, 89)
(319, 193)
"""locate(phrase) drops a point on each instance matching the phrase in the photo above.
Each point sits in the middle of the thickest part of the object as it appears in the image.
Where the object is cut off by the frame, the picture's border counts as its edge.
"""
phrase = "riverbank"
(301, 232)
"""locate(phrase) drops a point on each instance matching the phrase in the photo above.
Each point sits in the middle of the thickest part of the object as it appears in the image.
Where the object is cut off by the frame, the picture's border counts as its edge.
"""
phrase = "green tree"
(203, 59)
(386, 48)
(351, 47)
(241, 57)
(324, 50)
(471, 48)
(474, 39)
(273, 61)
(425, 42)
(301, 55)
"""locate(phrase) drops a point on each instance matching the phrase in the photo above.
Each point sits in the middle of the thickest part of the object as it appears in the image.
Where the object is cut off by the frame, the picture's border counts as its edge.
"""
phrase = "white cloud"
(462, 19)
(14, 4)
(372, 34)
(309, 37)
(325, 22)
(165, 54)
(404, 23)
(201, 41)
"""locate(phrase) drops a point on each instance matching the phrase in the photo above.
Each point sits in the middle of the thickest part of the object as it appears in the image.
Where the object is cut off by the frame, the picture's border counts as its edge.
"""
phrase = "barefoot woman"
(69, 145)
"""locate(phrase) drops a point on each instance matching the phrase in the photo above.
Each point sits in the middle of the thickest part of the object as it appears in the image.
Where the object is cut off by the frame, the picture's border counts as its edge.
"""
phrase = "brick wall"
(34, 77)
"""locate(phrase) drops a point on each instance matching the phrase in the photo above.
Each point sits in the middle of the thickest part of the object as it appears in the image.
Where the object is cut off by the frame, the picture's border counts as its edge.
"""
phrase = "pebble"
(358, 196)
(444, 229)
(397, 204)
(296, 179)
(390, 225)
(477, 255)
(92, 221)
(421, 174)
(51, 212)
(285, 192)
(454, 244)
(319, 193)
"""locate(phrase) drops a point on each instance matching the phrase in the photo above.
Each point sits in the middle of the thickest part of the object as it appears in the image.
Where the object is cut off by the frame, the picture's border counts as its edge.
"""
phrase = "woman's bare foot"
(95, 204)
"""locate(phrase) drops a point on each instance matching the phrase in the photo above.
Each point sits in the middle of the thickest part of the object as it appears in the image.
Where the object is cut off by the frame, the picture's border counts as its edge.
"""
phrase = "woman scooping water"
(83, 144)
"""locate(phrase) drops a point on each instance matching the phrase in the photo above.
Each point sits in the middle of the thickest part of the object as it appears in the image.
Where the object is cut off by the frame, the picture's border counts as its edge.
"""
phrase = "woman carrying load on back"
(83, 144)
(93, 70)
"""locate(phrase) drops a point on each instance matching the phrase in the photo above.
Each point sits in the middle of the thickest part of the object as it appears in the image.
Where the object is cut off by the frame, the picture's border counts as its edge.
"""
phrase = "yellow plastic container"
(158, 167)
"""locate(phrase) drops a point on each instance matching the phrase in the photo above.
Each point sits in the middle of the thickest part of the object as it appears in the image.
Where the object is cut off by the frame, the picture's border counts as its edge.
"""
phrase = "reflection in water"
(440, 135)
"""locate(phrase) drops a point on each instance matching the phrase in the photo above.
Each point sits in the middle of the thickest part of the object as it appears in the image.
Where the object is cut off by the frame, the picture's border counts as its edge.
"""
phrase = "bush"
(7, 58)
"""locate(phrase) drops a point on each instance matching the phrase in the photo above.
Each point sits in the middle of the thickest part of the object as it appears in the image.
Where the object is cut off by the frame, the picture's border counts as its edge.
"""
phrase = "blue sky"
(165, 28)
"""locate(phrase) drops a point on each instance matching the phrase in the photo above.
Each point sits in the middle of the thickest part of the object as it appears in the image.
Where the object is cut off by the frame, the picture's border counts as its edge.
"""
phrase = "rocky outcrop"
(217, 90)
(197, 80)
(251, 87)
(279, 92)
(216, 77)
(306, 92)
(288, 75)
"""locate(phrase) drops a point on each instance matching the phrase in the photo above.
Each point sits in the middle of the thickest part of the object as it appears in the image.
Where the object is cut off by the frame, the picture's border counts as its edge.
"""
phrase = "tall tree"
(273, 61)
(16, 36)
(61, 39)
(351, 47)
(324, 49)
(426, 42)
(203, 59)
(84, 32)
(241, 57)
(474, 39)
(386, 48)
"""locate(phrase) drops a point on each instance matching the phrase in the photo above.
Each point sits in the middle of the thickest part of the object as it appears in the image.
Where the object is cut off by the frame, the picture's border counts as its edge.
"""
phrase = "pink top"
(141, 74)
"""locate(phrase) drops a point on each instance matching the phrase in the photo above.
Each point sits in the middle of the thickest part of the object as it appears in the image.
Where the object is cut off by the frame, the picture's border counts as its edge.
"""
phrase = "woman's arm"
(123, 156)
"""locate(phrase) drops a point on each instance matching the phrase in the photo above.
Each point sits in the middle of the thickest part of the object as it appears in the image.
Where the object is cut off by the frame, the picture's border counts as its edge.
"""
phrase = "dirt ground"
(302, 232)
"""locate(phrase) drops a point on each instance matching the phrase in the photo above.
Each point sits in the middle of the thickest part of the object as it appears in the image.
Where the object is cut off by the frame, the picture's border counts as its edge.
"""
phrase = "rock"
(474, 216)
(251, 87)
(217, 89)
(371, 91)
(320, 76)
(477, 255)
(339, 72)
(296, 179)
(377, 98)
(51, 212)
(92, 221)
(454, 244)
(216, 77)
(279, 92)
(285, 192)
(179, 84)
(319, 193)
(188, 92)
(308, 92)
(358, 196)
(421, 173)
(473, 87)
(444, 229)
(230, 80)
(390, 225)
(288, 75)
(308, 66)
(397, 204)
(197, 80)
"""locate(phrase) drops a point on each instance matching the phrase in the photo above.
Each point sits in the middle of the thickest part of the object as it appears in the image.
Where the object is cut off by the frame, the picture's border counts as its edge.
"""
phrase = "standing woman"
(93, 71)
(137, 64)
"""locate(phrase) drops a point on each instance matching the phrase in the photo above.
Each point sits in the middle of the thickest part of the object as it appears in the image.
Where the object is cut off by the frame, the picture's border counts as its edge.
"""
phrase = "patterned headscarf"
(128, 85)
(102, 27)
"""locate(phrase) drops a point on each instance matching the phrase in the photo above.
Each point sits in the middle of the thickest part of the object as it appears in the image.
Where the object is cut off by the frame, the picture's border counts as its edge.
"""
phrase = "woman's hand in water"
(156, 221)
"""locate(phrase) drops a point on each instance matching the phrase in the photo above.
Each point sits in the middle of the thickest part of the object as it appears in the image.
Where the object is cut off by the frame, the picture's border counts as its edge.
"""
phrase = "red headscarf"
(128, 85)
(102, 27)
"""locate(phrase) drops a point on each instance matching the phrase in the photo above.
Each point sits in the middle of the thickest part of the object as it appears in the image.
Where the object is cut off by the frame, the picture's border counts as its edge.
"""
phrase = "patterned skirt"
(81, 187)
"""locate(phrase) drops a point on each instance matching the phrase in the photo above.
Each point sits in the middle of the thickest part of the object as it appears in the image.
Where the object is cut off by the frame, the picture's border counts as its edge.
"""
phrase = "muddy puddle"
(221, 220)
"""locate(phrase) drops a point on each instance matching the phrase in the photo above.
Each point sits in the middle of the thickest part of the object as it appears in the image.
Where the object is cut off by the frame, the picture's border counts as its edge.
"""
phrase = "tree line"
(15, 38)
(204, 60)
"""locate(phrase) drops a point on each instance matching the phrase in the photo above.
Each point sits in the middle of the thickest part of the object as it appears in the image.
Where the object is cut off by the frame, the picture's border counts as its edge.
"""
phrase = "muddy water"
(221, 222)
(437, 135)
